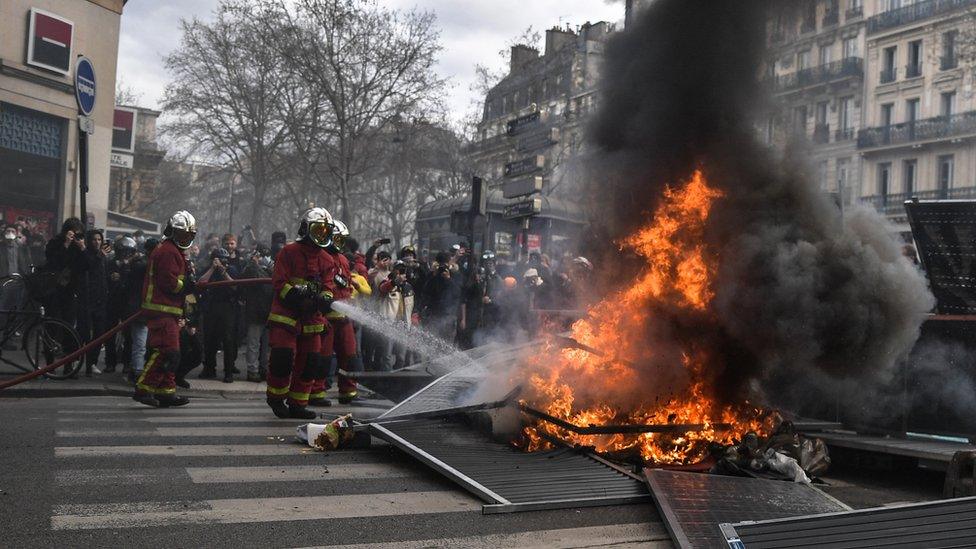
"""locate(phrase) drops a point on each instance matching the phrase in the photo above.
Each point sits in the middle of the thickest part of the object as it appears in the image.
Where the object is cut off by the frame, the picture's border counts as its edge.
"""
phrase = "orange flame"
(581, 387)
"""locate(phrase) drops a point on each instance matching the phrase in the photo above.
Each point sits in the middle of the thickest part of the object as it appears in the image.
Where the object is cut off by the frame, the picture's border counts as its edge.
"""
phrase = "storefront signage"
(123, 129)
(526, 208)
(49, 41)
(522, 187)
(538, 140)
(85, 86)
(525, 166)
(120, 160)
(522, 123)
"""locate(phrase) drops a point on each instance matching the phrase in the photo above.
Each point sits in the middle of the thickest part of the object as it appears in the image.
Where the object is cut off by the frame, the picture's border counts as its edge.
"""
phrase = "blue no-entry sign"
(85, 85)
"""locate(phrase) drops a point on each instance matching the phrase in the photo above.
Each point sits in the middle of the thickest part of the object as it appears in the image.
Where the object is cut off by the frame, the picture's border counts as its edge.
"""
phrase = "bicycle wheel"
(50, 340)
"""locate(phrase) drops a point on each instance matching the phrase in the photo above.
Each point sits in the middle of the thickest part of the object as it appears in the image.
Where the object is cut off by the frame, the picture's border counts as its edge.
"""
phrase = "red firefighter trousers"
(295, 363)
(159, 374)
(340, 340)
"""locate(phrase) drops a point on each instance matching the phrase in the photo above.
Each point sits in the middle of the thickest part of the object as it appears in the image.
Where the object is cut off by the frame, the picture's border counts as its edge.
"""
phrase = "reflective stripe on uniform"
(150, 364)
(313, 328)
(149, 305)
(277, 391)
(318, 395)
(295, 395)
(335, 315)
(179, 283)
(284, 290)
(287, 320)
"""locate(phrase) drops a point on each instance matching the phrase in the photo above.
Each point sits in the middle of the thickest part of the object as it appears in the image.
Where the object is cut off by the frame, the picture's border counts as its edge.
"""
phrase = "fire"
(627, 333)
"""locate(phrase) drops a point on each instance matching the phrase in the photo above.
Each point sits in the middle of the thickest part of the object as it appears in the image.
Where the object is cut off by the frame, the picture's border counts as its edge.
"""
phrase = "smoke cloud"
(801, 293)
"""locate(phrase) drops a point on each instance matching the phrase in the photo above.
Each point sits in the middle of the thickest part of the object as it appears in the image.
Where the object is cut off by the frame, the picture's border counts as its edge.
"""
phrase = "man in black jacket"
(257, 307)
(220, 316)
(92, 320)
(64, 256)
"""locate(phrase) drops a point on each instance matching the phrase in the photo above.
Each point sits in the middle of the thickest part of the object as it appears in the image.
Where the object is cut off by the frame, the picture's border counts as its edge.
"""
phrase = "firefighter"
(301, 296)
(340, 339)
(167, 281)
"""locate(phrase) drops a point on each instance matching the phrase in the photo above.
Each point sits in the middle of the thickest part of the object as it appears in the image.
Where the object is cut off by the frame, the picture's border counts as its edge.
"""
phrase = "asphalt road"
(107, 472)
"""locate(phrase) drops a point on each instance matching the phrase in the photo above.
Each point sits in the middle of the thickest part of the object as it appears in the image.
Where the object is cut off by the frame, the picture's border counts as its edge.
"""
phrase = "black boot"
(297, 411)
(279, 407)
(228, 377)
(172, 401)
(319, 402)
(182, 382)
(146, 398)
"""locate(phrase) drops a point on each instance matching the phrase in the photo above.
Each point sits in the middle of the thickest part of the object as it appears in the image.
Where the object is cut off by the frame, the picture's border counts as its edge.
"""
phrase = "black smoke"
(802, 293)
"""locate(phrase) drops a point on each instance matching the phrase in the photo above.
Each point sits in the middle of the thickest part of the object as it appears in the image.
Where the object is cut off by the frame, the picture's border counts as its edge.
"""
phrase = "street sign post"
(518, 125)
(522, 187)
(538, 140)
(85, 96)
(525, 208)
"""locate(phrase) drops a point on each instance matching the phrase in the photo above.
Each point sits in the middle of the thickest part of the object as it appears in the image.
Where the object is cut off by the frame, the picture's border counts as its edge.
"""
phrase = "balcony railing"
(927, 129)
(913, 71)
(821, 134)
(895, 203)
(889, 75)
(845, 134)
(855, 13)
(808, 25)
(913, 13)
(947, 62)
(850, 66)
(830, 18)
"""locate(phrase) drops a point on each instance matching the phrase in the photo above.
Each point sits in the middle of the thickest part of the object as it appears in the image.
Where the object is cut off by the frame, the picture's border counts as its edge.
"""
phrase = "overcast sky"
(472, 31)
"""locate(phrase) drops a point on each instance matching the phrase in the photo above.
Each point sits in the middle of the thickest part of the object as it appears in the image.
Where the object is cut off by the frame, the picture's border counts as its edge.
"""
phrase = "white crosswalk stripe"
(146, 514)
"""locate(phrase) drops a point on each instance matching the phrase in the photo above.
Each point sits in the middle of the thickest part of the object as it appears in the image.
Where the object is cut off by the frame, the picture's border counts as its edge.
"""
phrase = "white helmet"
(181, 229)
(317, 226)
(339, 235)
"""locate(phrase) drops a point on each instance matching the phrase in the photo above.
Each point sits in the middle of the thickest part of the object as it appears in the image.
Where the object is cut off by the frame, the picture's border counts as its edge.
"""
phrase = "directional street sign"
(85, 85)
(538, 140)
(526, 208)
(525, 166)
(86, 124)
(522, 123)
(522, 187)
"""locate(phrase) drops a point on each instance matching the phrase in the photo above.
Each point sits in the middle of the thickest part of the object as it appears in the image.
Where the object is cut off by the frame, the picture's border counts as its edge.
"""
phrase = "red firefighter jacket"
(162, 287)
(300, 263)
(342, 279)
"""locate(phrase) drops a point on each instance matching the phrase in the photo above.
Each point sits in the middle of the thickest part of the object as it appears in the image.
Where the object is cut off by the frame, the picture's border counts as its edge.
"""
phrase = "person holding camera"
(220, 316)
(65, 259)
(396, 301)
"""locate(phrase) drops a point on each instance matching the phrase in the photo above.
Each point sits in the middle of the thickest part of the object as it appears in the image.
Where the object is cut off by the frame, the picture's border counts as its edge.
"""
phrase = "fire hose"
(84, 349)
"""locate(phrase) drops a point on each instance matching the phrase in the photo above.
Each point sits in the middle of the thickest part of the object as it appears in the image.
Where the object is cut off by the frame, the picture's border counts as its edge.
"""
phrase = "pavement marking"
(112, 477)
(249, 417)
(250, 510)
(287, 473)
(646, 534)
(184, 432)
(185, 450)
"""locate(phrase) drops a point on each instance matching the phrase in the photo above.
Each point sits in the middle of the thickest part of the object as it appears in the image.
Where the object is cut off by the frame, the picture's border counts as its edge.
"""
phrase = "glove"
(323, 302)
(298, 297)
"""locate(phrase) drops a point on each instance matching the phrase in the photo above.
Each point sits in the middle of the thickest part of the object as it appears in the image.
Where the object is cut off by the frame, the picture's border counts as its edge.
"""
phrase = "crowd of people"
(94, 284)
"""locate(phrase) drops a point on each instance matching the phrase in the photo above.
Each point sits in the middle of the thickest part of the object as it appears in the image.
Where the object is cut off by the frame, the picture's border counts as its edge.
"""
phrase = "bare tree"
(226, 94)
(371, 66)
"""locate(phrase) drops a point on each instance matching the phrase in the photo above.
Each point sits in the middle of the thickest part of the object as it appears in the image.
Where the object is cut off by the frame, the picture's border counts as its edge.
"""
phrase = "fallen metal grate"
(946, 523)
(945, 232)
(692, 505)
(509, 480)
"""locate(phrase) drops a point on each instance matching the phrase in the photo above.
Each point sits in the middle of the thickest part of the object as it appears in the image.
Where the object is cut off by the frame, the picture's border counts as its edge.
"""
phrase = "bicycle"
(43, 339)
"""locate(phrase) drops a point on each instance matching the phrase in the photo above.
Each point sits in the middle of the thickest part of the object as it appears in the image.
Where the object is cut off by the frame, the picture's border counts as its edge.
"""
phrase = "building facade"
(134, 174)
(817, 78)
(919, 128)
(39, 160)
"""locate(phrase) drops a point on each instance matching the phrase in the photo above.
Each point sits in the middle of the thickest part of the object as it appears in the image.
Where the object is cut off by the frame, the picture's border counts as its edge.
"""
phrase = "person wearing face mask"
(14, 257)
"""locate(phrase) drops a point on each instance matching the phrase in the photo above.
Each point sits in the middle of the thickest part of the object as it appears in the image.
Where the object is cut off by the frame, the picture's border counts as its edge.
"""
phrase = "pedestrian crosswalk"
(231, 465)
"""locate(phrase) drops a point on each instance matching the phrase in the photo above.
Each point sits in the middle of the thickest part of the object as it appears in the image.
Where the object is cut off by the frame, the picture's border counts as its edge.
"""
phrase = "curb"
(115, 390)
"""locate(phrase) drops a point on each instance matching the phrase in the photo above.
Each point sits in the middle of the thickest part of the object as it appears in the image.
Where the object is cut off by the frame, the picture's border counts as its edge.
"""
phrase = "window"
(884, 178)
(824, 55)
(824, 183)
(843, 176)
(128, 190)
(911, 110)
(888, 70)
(803, 60)
(846, 113)
(914, 68)
(891, 5)
(948, 59)
(821, 113)
(886, 113)
(945, 175)
(855, 5)
(850, 47)
(909, 169)
(800, 119)
(948, 103)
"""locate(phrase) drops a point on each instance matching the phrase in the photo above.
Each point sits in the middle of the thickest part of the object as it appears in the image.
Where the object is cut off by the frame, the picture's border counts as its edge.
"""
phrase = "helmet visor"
(320, 233)
(183, 238)
(338, 240)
